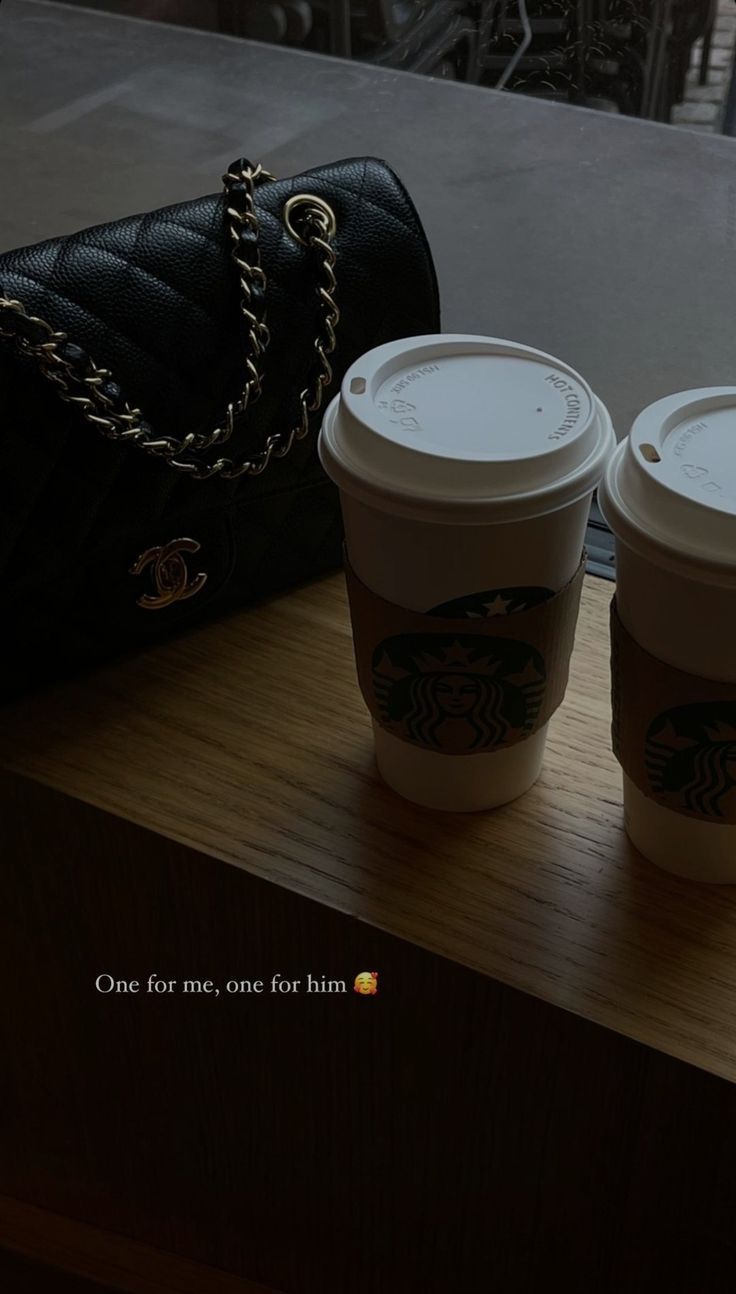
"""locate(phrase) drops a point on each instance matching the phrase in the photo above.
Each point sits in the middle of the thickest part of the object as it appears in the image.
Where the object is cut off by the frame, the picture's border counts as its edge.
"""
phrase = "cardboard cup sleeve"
(464, 685)
(674, 734)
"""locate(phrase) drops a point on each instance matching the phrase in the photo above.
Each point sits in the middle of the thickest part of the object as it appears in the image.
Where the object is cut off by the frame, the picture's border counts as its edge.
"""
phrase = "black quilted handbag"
(154, 372)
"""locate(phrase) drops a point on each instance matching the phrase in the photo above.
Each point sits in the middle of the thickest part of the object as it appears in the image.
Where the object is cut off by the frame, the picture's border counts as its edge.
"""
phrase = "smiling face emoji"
(366, 983)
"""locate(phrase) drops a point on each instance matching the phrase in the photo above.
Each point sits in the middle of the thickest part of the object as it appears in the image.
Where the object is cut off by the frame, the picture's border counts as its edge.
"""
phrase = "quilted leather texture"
(155, 299)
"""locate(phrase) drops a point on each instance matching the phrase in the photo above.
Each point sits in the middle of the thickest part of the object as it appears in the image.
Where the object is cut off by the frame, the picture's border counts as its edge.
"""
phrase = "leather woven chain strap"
(95, 392)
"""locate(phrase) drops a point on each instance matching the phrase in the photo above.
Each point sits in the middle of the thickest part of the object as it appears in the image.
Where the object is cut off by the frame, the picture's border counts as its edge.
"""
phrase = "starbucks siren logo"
(691, 755)
(460, 694)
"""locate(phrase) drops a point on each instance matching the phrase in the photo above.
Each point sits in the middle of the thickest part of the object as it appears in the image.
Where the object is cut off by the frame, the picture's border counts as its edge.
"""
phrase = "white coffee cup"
(464, 463)
(669, 496)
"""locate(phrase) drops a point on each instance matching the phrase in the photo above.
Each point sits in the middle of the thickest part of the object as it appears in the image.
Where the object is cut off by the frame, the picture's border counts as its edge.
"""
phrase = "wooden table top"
(249, 741)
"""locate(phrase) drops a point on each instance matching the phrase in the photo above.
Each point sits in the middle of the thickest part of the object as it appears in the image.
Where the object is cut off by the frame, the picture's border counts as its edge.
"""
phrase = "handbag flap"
(154, 298)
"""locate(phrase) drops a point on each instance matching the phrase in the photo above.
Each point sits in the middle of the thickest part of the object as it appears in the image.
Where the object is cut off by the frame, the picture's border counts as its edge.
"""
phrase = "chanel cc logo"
(169, 573)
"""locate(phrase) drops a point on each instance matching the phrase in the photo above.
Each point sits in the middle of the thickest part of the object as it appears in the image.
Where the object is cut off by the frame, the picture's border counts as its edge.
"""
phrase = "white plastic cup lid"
(670, 488)
(464, 428)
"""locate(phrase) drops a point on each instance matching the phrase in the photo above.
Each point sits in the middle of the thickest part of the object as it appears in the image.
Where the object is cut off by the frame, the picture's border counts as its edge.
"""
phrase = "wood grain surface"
(448, 1136)
(45, 1253)
(249, 741)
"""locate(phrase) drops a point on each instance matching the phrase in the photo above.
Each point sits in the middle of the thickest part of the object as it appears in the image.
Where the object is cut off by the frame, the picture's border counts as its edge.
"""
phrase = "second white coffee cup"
(669, 495)
(466, 466)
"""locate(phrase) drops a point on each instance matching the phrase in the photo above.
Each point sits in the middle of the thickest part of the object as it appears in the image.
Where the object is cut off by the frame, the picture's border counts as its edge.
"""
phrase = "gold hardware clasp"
(171, 578)
(311, 204)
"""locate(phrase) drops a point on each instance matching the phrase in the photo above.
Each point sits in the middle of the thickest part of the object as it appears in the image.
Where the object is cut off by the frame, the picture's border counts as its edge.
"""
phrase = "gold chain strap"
(93, 390)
